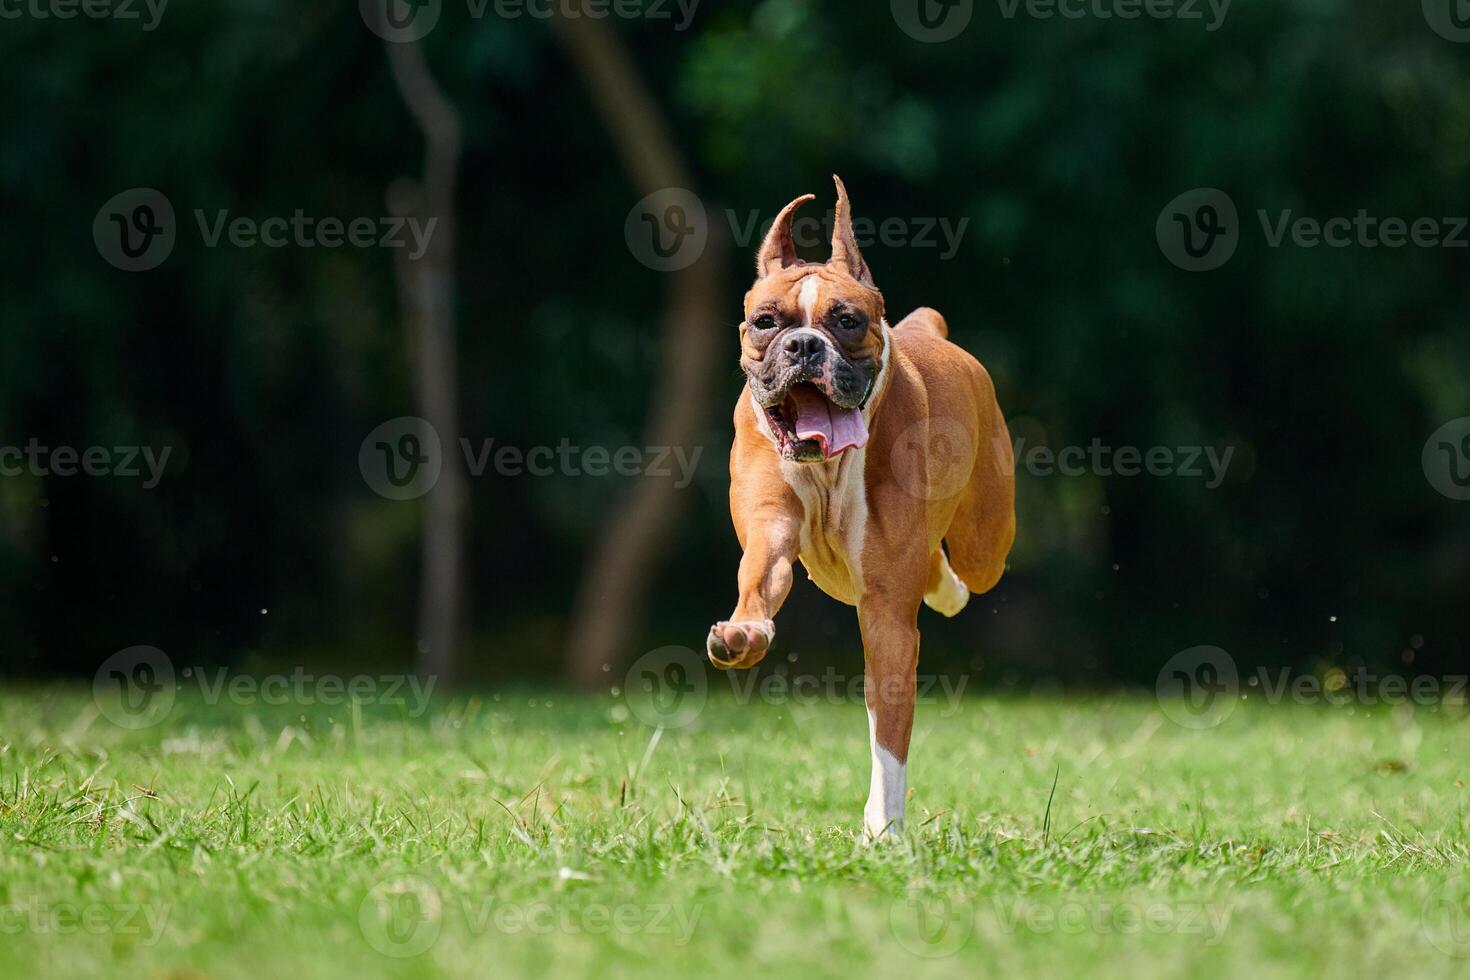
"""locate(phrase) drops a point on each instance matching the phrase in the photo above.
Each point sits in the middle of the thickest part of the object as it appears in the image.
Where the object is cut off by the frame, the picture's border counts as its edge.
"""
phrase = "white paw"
(740, 643)
(951, 596)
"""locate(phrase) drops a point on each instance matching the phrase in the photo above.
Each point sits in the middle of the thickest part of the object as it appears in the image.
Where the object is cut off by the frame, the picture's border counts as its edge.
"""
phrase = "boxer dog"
(878, 457)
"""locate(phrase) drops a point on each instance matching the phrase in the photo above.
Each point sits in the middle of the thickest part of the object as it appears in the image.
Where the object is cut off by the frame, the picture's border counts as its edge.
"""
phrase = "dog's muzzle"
(813, 397)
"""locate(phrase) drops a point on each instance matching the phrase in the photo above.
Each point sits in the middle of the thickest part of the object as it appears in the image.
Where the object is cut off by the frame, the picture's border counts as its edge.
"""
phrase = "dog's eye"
(764, 322)
(847, 321)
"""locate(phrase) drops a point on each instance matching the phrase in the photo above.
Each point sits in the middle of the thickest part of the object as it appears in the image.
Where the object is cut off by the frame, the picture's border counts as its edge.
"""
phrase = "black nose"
(806, 346)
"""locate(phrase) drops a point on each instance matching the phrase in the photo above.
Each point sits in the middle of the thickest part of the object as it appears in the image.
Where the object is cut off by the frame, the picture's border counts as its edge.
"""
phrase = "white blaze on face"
(808, 299)
(886, 788)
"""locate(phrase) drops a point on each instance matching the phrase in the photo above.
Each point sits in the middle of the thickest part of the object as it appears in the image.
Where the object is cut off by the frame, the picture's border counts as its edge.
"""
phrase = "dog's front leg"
(891, 659)
(770, 533)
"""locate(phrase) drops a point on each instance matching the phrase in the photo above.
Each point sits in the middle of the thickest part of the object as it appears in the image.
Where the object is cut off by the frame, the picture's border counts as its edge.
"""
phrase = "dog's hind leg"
(983, 528)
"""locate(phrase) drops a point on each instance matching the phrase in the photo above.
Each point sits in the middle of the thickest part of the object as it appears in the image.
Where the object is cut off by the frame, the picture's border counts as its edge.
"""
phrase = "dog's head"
(812, 344)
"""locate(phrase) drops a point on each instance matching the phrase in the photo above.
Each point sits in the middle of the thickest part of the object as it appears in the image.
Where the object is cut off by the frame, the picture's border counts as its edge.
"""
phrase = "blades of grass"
(1046, 819)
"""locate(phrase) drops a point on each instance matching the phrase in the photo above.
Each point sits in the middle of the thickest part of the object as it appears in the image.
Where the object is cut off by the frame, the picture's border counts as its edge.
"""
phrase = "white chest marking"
(833, 495)
(834, 500)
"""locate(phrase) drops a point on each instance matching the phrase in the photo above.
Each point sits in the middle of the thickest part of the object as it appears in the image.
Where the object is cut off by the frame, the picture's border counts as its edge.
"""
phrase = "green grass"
(538, 835)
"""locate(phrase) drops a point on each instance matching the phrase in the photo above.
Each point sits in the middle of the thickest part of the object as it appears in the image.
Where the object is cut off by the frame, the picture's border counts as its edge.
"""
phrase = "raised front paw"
(739, 644)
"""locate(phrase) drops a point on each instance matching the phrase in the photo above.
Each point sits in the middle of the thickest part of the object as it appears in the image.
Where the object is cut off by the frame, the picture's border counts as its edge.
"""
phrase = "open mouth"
(810, 426)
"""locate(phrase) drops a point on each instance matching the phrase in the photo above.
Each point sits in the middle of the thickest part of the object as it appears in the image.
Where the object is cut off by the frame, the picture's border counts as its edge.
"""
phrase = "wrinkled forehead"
(812, 289)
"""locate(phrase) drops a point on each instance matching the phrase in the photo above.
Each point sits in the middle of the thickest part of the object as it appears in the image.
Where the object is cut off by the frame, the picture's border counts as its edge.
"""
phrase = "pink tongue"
(836, 428)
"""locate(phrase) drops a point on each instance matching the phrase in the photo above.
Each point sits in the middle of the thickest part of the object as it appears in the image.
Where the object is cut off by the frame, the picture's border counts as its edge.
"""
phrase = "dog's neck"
(880, 380)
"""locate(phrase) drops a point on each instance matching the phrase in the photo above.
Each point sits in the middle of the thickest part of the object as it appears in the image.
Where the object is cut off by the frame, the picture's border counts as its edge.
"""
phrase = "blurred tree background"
(1058, 140)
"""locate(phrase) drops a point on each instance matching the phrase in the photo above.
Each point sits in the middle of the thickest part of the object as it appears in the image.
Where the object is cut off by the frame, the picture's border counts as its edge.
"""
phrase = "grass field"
(538, 835)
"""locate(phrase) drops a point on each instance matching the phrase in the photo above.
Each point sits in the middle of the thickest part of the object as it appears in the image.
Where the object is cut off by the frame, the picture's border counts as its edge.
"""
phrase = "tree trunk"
(608, 614)
(427, 290)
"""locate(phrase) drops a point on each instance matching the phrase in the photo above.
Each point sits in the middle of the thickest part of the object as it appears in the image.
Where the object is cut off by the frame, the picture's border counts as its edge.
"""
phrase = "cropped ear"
(845, 254)
(777, 252)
